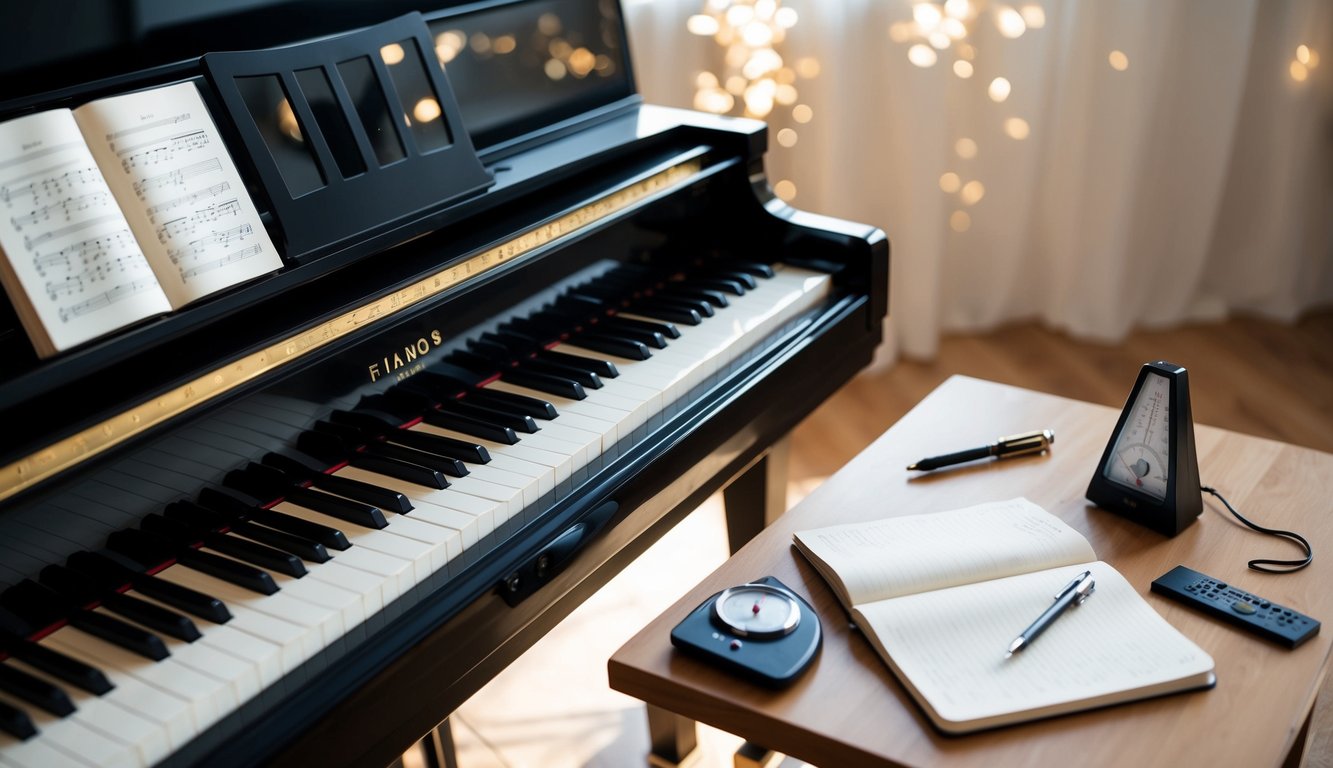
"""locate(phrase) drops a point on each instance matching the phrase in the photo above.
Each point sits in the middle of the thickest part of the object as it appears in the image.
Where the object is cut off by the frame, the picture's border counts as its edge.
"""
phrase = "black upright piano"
(516, 335)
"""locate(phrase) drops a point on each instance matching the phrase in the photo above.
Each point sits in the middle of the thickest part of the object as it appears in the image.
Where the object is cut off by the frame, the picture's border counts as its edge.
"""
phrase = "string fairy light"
(756, 81)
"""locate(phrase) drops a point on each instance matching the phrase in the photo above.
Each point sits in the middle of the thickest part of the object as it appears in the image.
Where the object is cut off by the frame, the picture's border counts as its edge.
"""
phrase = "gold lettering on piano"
(71, 450)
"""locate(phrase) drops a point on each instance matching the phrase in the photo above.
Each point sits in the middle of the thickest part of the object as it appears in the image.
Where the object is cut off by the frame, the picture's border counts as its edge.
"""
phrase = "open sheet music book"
(119, 210)
(941, 596)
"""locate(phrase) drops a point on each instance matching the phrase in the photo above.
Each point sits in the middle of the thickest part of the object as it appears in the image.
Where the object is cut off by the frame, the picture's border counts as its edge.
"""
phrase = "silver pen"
(1074, 593)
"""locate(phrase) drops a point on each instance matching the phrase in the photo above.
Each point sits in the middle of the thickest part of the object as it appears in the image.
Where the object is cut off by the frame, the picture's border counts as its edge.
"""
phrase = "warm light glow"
(962, 68)
(480, 43)
(702, 24)
(705, 80)
(785, 190)
(1034, 16)
(1299, 72)
(785, 95)
(1017, 128)
(1010, 22)
(967, 51)
(392, 53)
(926, 15)
(1119, 61)
(807, 67)
(900, 31)
(581, 62)
(426, 110)
(953, 28)
(972, 192)
(939, 40)
(785, 17)
(999, 89)
(560, 49)
(505, 44)
(950, 182)
(959, 221)
(549, 24)
(1303, 54)
(287, 120)
(802, 113)
(739, 15)
(445, 53)
(921, 55)
(714, 100)
(449, 44)
(736, 84)
(759, 99)
(555, 69)
(966, 148)
(787, 137)
(957, 9)
(757, 34)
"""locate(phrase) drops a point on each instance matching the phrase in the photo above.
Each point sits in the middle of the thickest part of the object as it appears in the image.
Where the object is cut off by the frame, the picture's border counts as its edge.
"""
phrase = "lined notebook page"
(949, 646)
(917, 553)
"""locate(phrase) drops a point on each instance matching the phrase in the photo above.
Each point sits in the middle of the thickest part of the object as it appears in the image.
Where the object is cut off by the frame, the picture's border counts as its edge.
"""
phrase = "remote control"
(1236, 606)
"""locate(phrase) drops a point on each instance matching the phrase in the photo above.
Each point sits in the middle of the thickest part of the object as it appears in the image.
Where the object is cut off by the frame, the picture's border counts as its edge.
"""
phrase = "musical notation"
(216, 237)
(161, 150)
(84, 251)
(29, 243)
(105, 299)
(173, 120)
(231, 258)
(47, 183)
(188, 225)
(190, 199)
(177, 177)
(101, 269)
(65, 208)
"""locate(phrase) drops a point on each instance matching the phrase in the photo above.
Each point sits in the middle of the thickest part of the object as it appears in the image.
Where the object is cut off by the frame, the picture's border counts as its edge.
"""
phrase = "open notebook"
(940, 596)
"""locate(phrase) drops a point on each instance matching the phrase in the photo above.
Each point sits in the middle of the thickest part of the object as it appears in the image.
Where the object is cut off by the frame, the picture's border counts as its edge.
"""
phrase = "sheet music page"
(182, 195)
(916, 553)
(948, 646)
(72, 266)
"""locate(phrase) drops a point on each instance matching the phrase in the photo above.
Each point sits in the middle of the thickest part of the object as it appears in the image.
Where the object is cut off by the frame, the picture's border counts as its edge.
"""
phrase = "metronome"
(1149, 472)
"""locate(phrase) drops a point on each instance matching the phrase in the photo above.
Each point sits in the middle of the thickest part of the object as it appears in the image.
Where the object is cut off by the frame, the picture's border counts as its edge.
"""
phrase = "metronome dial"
(1139, 459)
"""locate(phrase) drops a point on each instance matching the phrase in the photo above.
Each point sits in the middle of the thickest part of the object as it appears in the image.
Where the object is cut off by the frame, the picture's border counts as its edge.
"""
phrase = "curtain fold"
(1153, 162)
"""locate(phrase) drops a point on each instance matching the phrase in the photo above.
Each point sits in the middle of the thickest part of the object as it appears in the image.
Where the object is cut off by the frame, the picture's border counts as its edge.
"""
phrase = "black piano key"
(445, 465)
(470, 426)
(332, 538)
(402, 470)
(400, 407)
(698, 305)
(352, 437)
(724, 274)
(196, 516)
(14, 640)
(497, 354)
(142, 544)
(660, 310)
(439, 444)
(16, 722)
(583, 376)
(531, 406)
(690, 291)
(351, 510)
(539, 325)
(306, 549)
(120, 570)
(40, 606)
(446, 373)
(247, 551)
(327, 448)
(617, 326)
(369, 422)
(35, 690)
(544, 382)
(79, 588)
(753, 268)
(478, 366)
(613, 345)
(405, 400)
(500, 416)
(520, 344)
(299, 469)
(604, 368)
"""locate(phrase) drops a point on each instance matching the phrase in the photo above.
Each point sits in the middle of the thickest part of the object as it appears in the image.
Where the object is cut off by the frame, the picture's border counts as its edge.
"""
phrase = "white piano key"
(377, 551)
(534, 480)
(143, 696)
(64, 742)
(114, 721)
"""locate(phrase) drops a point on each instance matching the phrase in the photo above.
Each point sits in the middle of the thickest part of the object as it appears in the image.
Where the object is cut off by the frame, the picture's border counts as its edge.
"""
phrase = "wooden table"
(848, 709)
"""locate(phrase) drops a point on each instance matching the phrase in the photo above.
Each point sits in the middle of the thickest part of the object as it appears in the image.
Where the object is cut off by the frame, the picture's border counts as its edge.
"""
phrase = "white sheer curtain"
(1194, 182)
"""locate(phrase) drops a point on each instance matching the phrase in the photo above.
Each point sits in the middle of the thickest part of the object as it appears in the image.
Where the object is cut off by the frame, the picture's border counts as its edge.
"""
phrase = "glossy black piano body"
(102, 436)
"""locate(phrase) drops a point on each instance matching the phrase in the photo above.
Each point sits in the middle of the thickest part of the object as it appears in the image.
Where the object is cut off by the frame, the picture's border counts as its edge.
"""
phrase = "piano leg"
(435, 750)
(757, 496)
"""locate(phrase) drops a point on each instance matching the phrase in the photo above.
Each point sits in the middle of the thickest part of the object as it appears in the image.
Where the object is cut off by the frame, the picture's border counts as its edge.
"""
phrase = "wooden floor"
(1254, 376)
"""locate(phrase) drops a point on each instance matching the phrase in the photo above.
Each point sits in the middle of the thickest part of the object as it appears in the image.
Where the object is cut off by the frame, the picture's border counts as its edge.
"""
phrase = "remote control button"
(1240, 607)
(1221, 585)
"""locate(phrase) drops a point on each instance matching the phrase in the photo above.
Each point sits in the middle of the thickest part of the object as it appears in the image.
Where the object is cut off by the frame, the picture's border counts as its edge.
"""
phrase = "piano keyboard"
(373, 502)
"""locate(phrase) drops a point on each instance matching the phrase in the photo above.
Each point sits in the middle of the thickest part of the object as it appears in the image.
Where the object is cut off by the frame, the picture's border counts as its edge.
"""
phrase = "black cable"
(1288, 566)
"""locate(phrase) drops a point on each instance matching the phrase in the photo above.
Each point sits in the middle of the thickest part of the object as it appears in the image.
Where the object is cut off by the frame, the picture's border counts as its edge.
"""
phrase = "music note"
(189, 199)
(177, 177)
(230, 258)
(105, 298)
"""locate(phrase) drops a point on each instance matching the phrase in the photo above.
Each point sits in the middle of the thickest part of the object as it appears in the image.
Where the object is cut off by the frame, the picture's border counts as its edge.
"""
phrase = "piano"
(301, 521)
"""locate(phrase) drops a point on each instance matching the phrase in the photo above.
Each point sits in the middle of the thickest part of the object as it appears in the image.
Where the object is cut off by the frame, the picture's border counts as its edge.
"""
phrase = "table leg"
(673, 739)
(1297, 753)
(757, 496)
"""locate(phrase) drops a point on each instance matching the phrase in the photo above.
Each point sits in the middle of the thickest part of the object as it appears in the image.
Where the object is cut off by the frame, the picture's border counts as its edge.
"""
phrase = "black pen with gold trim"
(1004, 448)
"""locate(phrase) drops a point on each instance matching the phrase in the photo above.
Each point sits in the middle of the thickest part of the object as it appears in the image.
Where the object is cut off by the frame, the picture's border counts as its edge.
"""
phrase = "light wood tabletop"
(848, 709)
